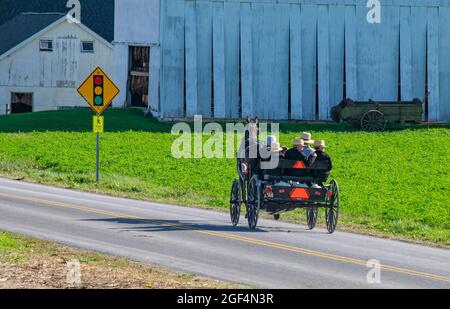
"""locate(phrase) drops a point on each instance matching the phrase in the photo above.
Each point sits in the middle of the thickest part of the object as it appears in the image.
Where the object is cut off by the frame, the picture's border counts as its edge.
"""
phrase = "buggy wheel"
(373, 121)
(235, 202)
(333, 206)
(253, 203)
(311, 217)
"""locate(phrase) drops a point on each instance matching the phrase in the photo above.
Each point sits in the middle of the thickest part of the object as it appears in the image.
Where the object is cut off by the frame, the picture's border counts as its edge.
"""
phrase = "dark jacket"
(294, 154)
(274, 171)
(321, 156)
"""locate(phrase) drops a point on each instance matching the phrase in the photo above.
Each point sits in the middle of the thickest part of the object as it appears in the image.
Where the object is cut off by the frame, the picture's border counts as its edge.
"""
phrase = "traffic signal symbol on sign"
(98, 90)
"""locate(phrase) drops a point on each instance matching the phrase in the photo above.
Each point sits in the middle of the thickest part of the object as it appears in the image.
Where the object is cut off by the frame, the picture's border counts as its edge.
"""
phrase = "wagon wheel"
(311, 217)
(254, 203)
(235, 202)
(373, 121)
(333, 202)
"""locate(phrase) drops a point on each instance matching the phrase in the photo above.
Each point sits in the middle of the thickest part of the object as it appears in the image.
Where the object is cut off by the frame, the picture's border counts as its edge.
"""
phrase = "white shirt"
(307, 151)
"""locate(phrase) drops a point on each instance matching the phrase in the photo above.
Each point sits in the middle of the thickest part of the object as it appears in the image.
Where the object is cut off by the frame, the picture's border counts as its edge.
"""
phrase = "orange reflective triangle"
(299, 165)
(300, 193)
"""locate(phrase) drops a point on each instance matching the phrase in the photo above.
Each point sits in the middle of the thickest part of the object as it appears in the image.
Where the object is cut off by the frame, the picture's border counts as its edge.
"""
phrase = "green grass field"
(393, 183)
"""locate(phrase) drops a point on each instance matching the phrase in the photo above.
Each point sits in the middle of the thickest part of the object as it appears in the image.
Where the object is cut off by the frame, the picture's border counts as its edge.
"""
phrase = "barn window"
(87, 47)
(46, 45)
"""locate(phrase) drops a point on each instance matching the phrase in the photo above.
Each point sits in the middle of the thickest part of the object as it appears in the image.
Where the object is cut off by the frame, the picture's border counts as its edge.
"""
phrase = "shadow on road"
(154, 225)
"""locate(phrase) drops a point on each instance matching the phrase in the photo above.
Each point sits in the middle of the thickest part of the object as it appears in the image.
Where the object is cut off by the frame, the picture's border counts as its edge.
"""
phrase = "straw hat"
(318, 144)
(306, 137)
(298, 142)
(274, 147)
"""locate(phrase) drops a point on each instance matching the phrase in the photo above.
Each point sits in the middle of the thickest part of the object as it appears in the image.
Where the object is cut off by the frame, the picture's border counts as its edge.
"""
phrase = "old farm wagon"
(374, 116)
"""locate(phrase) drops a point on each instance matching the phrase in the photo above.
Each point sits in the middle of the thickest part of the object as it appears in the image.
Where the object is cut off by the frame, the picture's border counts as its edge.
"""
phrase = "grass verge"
(29, 263)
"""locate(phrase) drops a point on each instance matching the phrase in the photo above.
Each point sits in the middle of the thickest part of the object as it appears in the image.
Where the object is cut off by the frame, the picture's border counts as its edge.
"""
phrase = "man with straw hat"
(272, 146)
(270, 154)
(275, 147)
(295, 153)
(307, 150)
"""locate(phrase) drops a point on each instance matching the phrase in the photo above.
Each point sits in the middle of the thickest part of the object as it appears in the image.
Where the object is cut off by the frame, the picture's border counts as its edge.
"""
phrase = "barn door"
(68, 51)
(139, 75)
(21, 103)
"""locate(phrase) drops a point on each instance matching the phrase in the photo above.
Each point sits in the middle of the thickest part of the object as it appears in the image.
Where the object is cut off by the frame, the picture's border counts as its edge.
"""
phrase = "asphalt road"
(277, 255)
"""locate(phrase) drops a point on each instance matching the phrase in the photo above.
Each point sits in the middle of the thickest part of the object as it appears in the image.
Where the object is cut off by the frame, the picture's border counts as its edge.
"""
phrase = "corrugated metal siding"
(211, 49)
(444, 63)
(173, 59)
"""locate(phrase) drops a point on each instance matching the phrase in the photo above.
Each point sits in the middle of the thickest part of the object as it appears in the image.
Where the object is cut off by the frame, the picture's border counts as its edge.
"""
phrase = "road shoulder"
(28, 263)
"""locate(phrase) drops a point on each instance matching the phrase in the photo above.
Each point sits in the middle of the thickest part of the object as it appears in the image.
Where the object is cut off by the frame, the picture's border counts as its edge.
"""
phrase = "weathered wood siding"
(52, 77)
(295, 59)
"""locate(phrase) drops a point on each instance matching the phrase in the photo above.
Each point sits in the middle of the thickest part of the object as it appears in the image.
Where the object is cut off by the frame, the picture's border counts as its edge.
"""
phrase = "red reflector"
(268, 189)
(318, 193)
(330, 193)
(300, 194)
(299, 165)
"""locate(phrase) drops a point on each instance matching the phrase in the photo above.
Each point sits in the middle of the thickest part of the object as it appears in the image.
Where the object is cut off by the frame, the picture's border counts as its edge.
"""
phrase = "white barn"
(44, 58)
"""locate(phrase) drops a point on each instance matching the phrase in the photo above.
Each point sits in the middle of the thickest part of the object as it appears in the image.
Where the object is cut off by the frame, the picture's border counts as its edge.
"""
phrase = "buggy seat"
(295, 170)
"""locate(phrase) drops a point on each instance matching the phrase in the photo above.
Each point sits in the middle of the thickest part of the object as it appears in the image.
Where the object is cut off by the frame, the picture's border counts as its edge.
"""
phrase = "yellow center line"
(244, 239)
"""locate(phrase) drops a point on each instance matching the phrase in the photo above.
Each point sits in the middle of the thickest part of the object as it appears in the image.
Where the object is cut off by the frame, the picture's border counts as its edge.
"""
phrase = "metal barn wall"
(211, 47)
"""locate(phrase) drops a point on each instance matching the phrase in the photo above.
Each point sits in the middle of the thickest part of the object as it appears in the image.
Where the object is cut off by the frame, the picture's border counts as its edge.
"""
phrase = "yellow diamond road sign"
(98, 90)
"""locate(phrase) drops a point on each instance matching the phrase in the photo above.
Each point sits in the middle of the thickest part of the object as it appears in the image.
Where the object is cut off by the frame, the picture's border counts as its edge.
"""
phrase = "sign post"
(98, 90)
(98, 127)
(97, 160)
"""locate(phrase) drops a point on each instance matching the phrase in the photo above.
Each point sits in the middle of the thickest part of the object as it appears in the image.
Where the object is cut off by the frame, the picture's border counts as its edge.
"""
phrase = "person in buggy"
(270, 155)
(248, 151)
(295, 153)
(301, 150)
(271, 147)
(307, 150)
(321, 156)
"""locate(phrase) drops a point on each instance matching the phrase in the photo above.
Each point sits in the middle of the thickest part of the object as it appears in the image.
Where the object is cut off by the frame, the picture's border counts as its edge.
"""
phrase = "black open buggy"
(290, 186)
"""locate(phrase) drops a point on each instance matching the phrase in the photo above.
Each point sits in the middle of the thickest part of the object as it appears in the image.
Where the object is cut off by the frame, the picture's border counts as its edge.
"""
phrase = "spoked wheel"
(373, 121)
(253, 203)
(235, 202)
(311, 217)
(333, 206)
